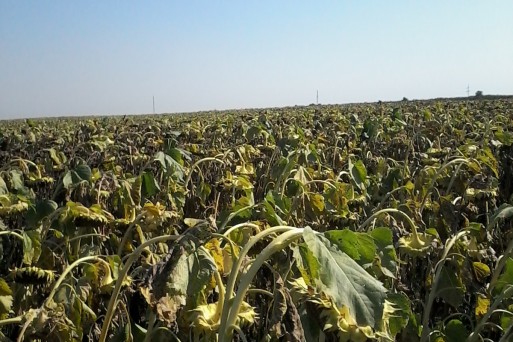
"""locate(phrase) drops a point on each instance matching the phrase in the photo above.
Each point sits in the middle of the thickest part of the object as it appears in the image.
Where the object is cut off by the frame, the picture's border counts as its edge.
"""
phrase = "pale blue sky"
(111, 57)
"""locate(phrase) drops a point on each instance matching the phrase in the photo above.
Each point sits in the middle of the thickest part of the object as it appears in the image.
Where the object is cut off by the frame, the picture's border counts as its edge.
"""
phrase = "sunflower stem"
(433, 293)
(229, 316)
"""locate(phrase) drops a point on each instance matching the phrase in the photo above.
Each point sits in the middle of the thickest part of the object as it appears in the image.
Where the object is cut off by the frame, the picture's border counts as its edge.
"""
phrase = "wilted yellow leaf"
(317, 202)
(215, 250)
(481, 270)
(482, 305)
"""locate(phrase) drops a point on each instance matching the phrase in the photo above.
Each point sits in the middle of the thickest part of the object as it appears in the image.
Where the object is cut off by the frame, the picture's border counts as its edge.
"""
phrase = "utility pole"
(468, 90)
(317, 96)
(153, 104)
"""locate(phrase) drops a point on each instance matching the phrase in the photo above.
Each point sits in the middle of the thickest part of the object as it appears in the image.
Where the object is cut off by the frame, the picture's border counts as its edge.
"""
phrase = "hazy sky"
(111, 57)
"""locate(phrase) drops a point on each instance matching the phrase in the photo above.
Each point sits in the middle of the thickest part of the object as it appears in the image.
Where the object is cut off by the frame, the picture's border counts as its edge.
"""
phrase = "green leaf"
(358, 246)
(455, 331)
(114, 262)
(39, 211)
(186, 155)
(409, 186)
(3, 187)
(383, 238)
(505, 211)
(370, 129)
(486, 157)
(450, 287)
(307, 264)
(123, 334)
(427, 115)
(17, 180)
(253, 132)
(240, 204)
(313, 332)
(204, 190)
(201, 269)
(134, 187)
(475, 227)
(83, 172)
(506, 278)
(504, 137)
(399, 318)
(149, 184)
(5, 299)
(169, 165)
(138, 332)
(358, 173)
(345, 281)
(336, 200)
(176, 155)
(282, 168)
(272, 209)
(31, 246)
(397, 114)
(505, 319)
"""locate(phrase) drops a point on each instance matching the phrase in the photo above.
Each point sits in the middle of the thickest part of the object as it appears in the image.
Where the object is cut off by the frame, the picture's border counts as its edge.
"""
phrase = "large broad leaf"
(385, 248)
(358, 173)
(282, 168)
(275, 208)
(184, 287)
(31, 246)
(179, 154)
(169, 165)
(345, 281)
(337, 199)
(485, 156)
(359, 246)
(81, 173)
(311, 328)
(17, 180)
(450, 286)
(400, 314)
(201, 270)
(181, 272)
(370, 129)
(149, 184)
(39, 211)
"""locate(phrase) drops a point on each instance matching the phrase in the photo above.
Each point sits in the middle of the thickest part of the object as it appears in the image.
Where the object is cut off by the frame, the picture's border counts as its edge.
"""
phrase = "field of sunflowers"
(367, 222)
